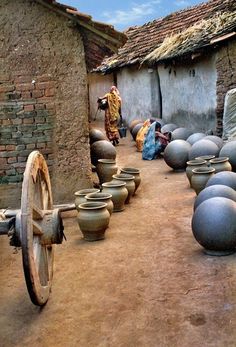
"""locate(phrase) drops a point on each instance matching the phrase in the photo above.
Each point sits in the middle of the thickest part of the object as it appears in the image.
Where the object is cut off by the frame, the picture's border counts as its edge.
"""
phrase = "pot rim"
(113, 184)
(219, 160)
(206, 157)
(196, 161)
(98, 196)
(95, 205)
(127, 177)
(83, 192)
(130, 170)
(203, 170)
(107, 161)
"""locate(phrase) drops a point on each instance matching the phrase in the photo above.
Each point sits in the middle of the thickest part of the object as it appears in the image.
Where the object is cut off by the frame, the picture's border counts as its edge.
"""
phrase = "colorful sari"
(112, 115)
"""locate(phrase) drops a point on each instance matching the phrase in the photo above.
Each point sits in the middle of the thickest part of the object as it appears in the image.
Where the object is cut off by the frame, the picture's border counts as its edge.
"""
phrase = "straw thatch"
(197, 35)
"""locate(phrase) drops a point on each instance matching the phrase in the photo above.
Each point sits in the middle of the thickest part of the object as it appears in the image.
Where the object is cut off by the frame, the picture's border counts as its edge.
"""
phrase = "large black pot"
(102, 150)
(135, 130)
(229, 150)
(203, 147)
(214, 226)
(218, 190)
(176, 154)
(226, 178)
(195, 137)
(181, 134)
(96, 135)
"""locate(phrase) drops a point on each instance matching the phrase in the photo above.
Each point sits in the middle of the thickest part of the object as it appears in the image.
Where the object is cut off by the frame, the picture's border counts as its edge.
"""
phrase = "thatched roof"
(183, 32)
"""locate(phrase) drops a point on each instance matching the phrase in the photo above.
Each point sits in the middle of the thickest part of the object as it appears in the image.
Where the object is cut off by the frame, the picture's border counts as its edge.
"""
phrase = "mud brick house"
(46, 49)
(178, 67)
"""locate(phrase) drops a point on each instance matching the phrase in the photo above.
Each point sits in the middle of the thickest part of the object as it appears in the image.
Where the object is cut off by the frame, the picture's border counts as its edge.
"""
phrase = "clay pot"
(102, 150)
(214, 226)
(207, 158)
(200, 177)
(229, 150)
(221, 164)
(93, 220)
(169, 127)
(176, 154)
(119, 194)
(195, 137)
(133, 123)
(218, 190)
(96, 135)
(105, 169)
(130, 185)
(181, 134)
(203, 147)
(193, 164)
(226, 178)
(80, 196)
(135, 130)
(216, 139)
(102, 197)
(134, 172)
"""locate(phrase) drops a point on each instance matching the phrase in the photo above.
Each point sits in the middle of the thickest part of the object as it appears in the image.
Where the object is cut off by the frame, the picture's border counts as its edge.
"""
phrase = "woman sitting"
(155, 142)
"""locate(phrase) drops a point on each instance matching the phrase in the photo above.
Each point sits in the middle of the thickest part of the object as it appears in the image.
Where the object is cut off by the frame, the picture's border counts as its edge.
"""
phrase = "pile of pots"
(95, 206)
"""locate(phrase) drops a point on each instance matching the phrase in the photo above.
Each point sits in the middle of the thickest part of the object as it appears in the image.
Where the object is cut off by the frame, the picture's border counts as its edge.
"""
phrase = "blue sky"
(125, 13)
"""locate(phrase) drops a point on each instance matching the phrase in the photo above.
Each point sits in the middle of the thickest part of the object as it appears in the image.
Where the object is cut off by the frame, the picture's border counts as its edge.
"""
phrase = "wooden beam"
(223, 37)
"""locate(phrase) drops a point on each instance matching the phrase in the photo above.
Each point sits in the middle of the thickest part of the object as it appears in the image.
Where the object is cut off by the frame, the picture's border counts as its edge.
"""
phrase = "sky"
(126, 13)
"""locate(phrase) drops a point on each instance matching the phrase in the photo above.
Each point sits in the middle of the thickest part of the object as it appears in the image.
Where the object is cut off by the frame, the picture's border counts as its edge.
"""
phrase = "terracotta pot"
(203, 147)
(217, 190)
(93, 220)
(130, 185)
(176, 154)
(102, 150)
(221, 164)
(214, 226)
(229, 150)
(80, 196)
(200, 177)
(119, 194)
(102, 197)
(181, 134)
(105, 169)
(134, 172)
(226, 178)
(96, 135)
(193, 164)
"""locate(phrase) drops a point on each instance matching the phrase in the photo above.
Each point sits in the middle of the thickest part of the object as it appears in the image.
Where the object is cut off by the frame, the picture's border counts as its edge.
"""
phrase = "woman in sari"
(112, 114)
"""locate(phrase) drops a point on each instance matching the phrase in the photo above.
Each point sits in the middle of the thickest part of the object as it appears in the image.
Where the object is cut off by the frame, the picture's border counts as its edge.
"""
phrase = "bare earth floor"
(148, 284)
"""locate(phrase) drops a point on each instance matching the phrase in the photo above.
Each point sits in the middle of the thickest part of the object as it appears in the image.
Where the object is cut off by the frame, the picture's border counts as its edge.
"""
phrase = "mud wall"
(189, 94)
(43, 99)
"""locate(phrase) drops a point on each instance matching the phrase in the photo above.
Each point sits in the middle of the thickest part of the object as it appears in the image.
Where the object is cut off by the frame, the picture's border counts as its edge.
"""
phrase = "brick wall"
(226, 78)
(43, 98)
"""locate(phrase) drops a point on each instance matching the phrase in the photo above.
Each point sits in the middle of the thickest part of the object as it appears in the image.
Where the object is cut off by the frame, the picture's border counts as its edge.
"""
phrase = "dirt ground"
(148, 284)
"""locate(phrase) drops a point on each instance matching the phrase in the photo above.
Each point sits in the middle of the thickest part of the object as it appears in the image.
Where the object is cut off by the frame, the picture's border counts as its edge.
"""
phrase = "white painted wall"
(189, 94)
(99, 85)
(138, 99)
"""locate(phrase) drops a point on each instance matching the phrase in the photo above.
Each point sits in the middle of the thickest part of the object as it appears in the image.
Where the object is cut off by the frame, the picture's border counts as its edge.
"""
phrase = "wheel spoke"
(41, 261)
(37, 229)
(37, 213)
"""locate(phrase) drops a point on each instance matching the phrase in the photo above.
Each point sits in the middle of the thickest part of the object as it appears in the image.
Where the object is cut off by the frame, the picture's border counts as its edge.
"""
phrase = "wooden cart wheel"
(36, 200)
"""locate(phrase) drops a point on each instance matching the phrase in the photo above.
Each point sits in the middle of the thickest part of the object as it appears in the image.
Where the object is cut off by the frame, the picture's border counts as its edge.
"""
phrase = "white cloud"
(137, 12)
(182, 3)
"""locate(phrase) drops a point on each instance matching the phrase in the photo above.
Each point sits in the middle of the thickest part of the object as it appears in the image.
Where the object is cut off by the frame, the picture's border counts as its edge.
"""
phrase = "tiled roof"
(142, 40)
(113, 37)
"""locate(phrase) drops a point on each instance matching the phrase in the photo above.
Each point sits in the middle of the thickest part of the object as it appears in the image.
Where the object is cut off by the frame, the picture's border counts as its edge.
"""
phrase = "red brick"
(3, 97)
(39, 106)
(49, 92)
(43, 78)
(2, 148)
(3, 161)
(50, 106)
(6, 88)
(25, 86)
(23, 79)
(10, 147)
(11, 160)
(6, 122)
(28, 121)
(45, 85)
(16, 121)
(31, 146)
(37, 93)
(26, 95)
(29, 108)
